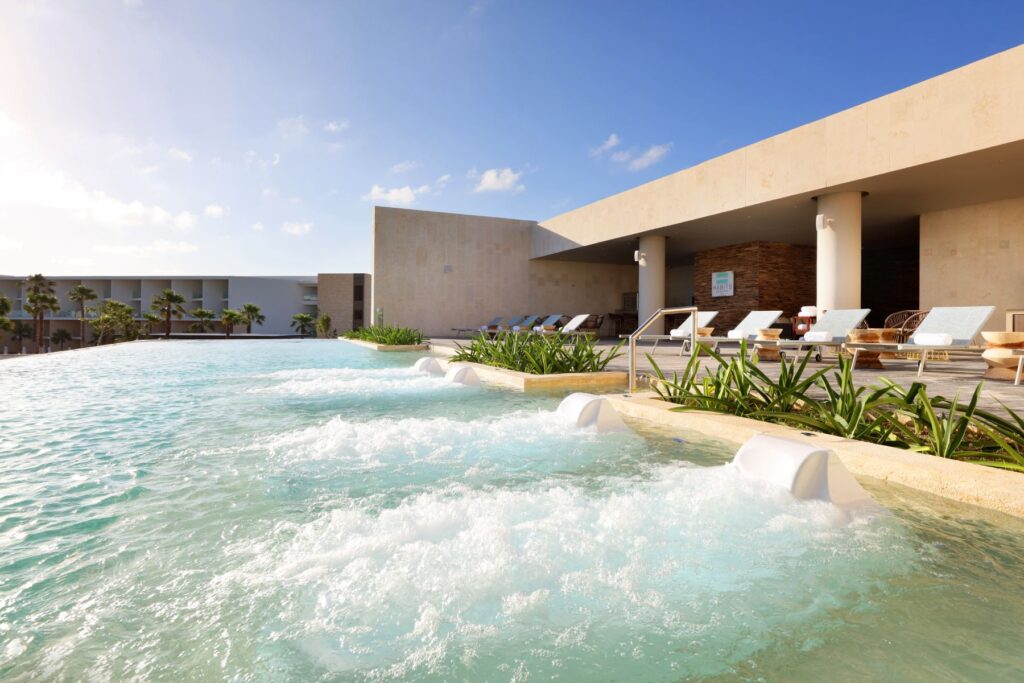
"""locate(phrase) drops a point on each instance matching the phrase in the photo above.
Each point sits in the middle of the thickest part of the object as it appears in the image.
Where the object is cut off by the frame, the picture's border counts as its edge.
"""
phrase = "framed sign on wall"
(722, 283)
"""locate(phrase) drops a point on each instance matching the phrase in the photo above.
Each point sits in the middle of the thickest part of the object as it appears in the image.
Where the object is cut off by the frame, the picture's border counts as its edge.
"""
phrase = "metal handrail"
(660, 313)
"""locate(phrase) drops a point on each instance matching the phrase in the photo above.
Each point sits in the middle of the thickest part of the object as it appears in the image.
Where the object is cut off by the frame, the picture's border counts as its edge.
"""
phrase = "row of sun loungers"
(944, 329)
(552, 324)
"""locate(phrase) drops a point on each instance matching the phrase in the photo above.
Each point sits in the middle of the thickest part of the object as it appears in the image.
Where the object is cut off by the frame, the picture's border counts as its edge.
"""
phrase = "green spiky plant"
(833, 404)
(388, 335)
(538, 354)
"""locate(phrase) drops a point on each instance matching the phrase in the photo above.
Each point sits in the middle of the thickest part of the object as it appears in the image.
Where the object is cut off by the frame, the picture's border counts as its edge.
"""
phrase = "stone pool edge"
(985, 487)
(386, 347)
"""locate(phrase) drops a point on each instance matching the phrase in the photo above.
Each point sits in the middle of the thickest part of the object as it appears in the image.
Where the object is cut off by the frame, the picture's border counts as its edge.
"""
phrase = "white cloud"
(498, 180)
(276, 160)
(28, 185)
(651, 156)
(151, 249)
(215, 211)
(336, 126)
(296, 229)
(403, 196)
(269, 192)
(179, 155)
(294, 127)
(404, 166)
(622, 157)
(184, 221)
(612, 141)
(257, 227)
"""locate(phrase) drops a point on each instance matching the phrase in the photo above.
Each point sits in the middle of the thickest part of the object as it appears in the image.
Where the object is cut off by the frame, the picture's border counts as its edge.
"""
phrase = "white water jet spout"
(807, 471)
(429, 365)
(462, 374)
(588, 410)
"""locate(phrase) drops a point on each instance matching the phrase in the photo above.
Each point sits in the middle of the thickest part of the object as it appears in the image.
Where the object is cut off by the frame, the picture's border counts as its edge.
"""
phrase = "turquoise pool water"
(310, 510)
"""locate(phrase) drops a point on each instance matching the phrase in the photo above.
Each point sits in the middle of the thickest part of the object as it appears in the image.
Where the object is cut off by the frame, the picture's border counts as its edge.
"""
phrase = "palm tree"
(148, 321)
(20, 332)
(229, 318)
(323, 326)
(5, 310)
(303, 323)
(114, 316)
(39, 303)
(169, 303)
(204, 320)
(80, 294)
(251, 314)
(38, 293)
(60, 337)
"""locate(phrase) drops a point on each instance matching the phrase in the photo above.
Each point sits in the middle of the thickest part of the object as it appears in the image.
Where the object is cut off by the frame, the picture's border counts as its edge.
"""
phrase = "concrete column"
(652, 280)
(838, 227)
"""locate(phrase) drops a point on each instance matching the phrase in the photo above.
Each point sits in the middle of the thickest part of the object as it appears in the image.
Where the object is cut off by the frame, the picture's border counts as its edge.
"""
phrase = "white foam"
(361, 381)
(694, 568)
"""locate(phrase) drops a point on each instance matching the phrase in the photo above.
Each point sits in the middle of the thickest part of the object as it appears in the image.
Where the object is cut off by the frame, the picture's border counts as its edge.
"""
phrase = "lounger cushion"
(817, 336)
(932, 339)
(737, 334)
(679, 332)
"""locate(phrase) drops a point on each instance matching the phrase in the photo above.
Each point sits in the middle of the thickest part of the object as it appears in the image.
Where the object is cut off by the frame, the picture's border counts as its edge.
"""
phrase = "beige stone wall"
(438, 271)
(974, 256)
(972, 108)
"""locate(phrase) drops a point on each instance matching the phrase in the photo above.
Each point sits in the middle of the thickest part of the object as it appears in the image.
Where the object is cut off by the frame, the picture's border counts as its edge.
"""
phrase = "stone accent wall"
(767, 275)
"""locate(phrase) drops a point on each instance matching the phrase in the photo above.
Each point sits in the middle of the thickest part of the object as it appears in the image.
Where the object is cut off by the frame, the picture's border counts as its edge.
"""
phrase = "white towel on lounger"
(817, 336)
(737, 334)
(932, 339)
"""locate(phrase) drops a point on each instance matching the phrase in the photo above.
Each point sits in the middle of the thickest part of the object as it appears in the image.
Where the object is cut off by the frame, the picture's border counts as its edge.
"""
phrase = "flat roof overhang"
(891, 209)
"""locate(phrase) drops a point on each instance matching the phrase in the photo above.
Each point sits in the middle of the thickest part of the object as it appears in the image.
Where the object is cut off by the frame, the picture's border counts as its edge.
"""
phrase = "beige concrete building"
(911, 200)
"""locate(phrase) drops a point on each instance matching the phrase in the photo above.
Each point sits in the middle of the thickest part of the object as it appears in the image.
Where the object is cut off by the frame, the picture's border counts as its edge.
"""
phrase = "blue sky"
(242, 137)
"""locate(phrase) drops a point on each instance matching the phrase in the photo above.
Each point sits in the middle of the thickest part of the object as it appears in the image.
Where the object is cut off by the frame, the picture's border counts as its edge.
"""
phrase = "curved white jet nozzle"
(805, 470)
(429, 365)
(462, 374)
(588, 410)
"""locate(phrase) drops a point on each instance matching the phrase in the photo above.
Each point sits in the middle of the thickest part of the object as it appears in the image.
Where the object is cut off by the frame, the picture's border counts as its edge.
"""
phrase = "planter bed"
(965, 482)
(387, 347)
(571, 381)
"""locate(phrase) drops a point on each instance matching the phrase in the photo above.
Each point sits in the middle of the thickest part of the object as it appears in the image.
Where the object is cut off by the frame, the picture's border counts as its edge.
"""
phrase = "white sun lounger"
(549, 324)
(526, 324)
(683, 331)
(830, 331)
(747, 329)
(945, 328)
(573, 326)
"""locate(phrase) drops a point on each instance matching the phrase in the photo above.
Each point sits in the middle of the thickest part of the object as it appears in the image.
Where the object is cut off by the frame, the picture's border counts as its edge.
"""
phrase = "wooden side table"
(872, 360)
(767, 352)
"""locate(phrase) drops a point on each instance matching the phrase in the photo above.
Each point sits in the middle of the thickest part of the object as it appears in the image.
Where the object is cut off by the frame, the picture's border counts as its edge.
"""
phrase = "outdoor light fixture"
(822, 222)
(640, 257)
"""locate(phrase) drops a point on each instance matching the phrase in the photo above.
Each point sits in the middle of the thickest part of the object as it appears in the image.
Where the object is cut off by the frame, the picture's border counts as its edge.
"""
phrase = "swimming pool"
(311, 510)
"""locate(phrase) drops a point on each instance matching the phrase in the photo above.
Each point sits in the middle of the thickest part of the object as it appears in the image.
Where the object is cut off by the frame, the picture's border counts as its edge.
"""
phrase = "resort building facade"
(343, 296)
(908, 201)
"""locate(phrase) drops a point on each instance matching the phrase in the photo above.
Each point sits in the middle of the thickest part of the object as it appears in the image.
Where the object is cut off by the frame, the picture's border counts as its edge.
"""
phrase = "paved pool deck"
(944, 378)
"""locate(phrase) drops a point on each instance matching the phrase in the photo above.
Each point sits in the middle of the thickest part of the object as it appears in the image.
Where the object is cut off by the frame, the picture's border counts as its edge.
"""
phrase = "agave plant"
(538, 354)
(833, 404)
(389, 335)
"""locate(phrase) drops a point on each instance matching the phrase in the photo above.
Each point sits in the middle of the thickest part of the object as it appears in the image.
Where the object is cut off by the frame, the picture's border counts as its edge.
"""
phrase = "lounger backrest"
(757, 320)
(839, 321)
(704, 319)
(574, 324)
(515, 321)
(528, 322)
(551, 320)
(495, 322)
(960, 322)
